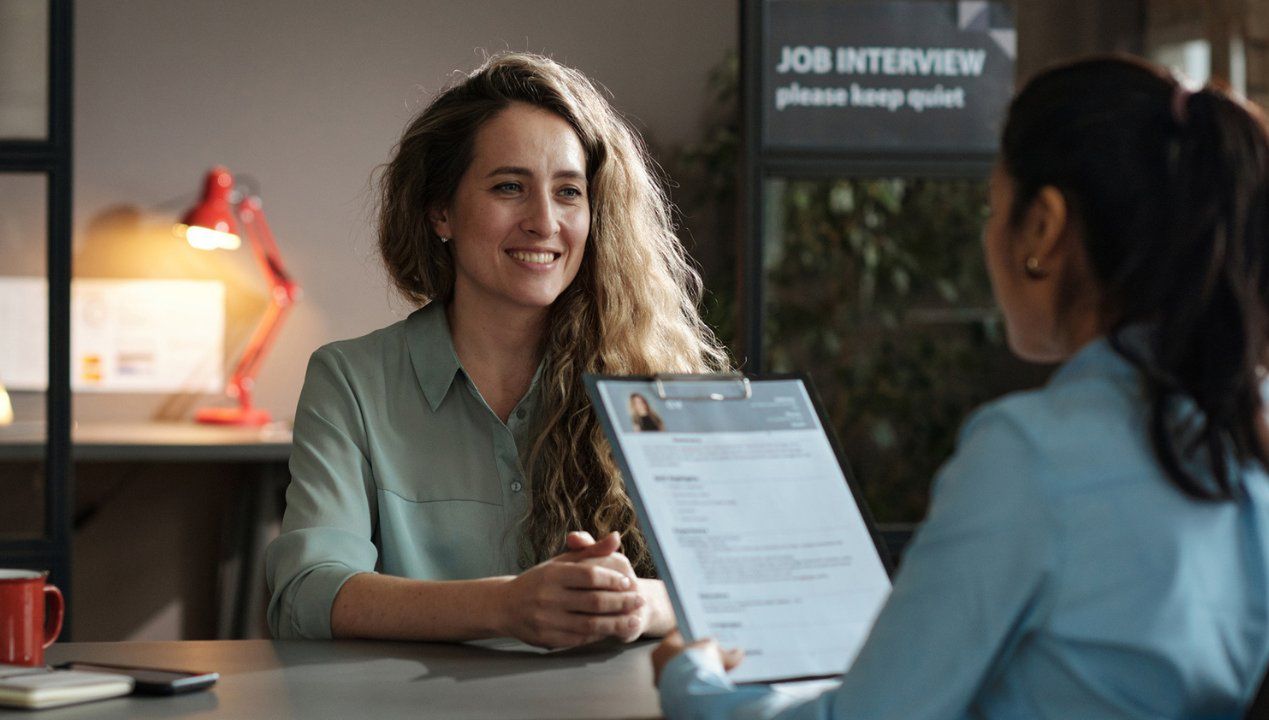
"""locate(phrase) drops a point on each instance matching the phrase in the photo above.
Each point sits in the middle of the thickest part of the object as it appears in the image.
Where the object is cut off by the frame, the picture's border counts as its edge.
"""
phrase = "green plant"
(875, 287)
(707, 173)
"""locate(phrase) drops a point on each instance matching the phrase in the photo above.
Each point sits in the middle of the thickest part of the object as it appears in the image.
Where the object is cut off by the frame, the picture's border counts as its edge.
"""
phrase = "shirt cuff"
(313, 599)
(687, 679)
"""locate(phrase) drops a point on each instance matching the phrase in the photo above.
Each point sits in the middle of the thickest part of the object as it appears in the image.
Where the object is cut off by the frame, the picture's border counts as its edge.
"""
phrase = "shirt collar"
(1100, 357)
(432, 351)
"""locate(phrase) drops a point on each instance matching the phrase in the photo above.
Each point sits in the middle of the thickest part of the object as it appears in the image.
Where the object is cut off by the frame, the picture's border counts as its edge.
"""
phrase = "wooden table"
(381, 680)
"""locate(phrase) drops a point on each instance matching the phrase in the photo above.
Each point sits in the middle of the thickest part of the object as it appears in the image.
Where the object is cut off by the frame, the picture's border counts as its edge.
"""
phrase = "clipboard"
(693, 450)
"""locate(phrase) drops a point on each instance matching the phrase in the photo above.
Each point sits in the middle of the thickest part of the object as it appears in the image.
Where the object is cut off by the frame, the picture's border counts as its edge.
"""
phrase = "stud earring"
(444, 239)
(1033, 269)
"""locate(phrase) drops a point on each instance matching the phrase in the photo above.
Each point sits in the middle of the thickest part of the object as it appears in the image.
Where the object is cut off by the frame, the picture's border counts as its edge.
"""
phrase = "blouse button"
(520, 413)
(516, 486)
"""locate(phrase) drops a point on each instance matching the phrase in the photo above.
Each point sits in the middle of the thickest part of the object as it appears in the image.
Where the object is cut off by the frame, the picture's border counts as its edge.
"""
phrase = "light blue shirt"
(398, 466)
(1059, 574)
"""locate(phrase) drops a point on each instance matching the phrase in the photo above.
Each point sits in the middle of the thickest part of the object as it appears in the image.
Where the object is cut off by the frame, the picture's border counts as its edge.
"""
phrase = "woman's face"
(1028, 323)
(639, 404)
(520, 216)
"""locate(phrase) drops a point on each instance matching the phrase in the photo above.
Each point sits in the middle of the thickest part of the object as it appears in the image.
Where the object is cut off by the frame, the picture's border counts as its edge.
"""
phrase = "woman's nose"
(540, 216)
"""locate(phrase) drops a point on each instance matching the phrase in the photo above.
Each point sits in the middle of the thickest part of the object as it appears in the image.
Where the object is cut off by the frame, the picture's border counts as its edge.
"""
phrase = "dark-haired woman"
(1097, 548)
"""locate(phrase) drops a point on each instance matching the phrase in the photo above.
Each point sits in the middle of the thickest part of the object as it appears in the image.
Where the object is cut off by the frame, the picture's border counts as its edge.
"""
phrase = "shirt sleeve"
(327, 530)
(970, 588)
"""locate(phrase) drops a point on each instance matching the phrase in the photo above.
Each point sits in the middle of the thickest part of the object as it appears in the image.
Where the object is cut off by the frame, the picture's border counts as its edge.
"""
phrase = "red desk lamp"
(213, 224)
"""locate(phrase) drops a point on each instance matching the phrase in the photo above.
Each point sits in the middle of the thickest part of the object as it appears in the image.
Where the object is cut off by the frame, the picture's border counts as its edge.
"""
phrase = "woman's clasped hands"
(586, 594)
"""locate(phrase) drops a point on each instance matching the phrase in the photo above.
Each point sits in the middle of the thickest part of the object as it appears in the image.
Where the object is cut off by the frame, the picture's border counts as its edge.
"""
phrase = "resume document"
(751, 521)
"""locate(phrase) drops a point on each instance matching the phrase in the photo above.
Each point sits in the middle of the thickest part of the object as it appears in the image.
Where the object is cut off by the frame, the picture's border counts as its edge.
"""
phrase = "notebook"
(43, 687)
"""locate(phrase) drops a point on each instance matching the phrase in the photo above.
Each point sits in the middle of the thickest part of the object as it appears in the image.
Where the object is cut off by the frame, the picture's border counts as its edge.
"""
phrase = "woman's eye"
(508, 187)
(571, 192)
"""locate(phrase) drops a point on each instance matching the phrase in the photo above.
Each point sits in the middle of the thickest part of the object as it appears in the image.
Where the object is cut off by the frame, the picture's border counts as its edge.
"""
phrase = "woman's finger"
(606, 545)
(614, 561)
(590, 577)
(602, 602)
(732, 657)
(594, 627)
(578, 540)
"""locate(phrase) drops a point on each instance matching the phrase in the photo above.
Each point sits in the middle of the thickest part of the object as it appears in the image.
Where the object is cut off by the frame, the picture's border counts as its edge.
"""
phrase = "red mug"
(31, 614)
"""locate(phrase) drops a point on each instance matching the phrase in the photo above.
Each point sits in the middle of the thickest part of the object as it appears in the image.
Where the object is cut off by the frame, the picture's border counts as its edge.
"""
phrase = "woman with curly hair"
(440, 463)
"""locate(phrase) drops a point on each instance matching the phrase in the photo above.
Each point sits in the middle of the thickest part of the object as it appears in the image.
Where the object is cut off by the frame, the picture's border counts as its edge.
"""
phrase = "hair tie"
(1180, 102)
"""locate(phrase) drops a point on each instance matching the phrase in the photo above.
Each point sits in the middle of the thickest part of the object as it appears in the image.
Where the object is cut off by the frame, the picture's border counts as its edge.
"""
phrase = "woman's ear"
(440, 223)
(1047, 227)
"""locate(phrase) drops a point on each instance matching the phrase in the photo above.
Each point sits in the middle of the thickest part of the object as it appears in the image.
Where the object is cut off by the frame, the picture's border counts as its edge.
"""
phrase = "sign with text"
(886, 76)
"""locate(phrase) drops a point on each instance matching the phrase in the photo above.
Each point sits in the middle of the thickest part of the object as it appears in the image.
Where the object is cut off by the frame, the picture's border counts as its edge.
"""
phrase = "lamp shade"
(210, 224)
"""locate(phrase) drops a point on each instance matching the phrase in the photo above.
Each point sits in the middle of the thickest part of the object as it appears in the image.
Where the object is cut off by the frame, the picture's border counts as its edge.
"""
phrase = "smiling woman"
(440, 463)
(519, 218)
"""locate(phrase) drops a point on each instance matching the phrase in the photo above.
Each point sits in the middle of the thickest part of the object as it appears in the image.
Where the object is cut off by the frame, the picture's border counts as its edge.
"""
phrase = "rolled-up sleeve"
(969, 590)
(327, 531)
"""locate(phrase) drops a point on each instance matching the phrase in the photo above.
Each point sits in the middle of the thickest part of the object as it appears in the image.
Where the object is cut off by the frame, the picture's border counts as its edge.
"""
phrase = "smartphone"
(151, 681)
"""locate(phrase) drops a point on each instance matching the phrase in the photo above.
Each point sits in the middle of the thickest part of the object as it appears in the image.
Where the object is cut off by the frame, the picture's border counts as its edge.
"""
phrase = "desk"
(351, 679)
(160, 442)
(267, 449)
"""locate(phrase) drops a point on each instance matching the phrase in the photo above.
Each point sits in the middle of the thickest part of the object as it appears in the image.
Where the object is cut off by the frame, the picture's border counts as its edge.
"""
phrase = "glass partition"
(23, 353)
(24, 70)
(876, 288)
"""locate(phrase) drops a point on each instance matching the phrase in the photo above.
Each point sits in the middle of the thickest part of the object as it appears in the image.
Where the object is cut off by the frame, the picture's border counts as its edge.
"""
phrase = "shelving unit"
(24, 153)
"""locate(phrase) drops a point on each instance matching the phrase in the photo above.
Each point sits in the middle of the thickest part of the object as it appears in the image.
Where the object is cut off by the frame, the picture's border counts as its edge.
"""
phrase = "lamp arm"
(283, 291)
(251, 215)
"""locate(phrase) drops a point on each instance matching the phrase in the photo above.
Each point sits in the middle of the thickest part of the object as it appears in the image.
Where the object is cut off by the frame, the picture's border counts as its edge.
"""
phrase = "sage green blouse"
(398, 466)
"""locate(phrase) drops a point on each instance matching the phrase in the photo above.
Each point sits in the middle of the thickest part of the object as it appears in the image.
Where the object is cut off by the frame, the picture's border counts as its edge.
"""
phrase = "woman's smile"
(534, 259)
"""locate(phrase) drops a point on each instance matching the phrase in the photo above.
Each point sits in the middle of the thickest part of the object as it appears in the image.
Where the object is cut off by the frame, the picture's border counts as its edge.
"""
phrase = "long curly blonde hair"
(632, 309)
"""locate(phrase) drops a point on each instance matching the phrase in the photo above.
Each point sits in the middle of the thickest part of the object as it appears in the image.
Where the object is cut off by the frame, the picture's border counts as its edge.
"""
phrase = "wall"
(1053, 30)
(308, 98)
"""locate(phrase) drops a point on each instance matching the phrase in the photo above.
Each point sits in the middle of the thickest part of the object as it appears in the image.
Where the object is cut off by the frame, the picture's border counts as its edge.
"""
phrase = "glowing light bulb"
(6, 407)
(207, 239)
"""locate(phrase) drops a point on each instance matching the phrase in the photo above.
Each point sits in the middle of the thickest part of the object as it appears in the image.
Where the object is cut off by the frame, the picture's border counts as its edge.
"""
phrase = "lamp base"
(254, 417)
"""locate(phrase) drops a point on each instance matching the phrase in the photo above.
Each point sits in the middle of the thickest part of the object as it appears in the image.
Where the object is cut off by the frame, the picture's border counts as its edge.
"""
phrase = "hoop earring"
(1033, 270)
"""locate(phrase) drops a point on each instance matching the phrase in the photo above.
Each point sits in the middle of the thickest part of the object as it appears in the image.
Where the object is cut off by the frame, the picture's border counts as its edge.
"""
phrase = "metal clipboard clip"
(734, 386)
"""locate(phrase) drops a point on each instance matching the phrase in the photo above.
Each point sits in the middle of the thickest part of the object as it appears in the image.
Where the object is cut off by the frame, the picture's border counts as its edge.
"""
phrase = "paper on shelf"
(126, 335)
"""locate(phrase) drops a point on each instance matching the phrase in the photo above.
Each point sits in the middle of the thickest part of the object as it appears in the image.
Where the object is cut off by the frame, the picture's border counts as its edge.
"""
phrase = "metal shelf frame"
(51, 157)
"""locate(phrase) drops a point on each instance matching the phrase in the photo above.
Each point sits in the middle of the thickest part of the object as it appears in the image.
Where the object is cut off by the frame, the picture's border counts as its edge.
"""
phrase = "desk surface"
(166, 442)
(350, 679)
